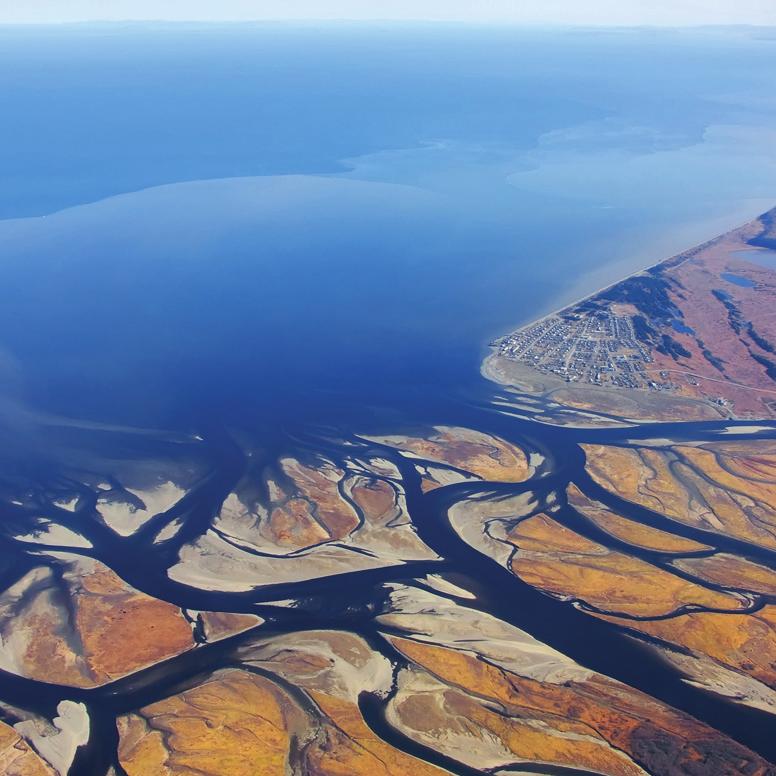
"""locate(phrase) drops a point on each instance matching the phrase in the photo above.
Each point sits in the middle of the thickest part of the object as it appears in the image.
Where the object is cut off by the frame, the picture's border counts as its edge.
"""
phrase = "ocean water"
(277, 222)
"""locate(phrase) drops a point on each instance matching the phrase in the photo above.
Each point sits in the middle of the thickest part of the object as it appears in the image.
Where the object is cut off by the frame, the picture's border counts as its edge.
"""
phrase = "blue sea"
(268, 223)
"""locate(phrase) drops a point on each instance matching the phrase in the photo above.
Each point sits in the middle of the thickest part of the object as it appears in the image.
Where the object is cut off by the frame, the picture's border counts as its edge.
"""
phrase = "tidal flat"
(451, 598)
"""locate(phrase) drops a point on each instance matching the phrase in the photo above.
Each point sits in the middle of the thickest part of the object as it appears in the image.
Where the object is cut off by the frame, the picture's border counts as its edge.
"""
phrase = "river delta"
(270, 502)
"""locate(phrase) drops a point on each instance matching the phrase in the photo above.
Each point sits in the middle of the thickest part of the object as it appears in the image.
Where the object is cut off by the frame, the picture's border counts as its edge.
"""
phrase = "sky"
(574, 12)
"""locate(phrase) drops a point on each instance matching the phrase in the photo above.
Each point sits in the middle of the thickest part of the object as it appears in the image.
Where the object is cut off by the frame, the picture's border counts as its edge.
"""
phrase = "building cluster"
(599, 348)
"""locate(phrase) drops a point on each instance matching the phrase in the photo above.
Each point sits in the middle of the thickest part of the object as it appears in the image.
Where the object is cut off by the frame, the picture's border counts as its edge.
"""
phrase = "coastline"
(590, 405)
(611, 399)
(623, 278)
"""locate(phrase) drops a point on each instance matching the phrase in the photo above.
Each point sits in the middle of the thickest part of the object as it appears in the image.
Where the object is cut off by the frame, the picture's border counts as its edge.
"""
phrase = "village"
(599, 349)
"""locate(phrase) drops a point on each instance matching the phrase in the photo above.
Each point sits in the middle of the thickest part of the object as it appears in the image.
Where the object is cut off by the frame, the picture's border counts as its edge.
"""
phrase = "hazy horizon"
(587, 13)
(388, 22)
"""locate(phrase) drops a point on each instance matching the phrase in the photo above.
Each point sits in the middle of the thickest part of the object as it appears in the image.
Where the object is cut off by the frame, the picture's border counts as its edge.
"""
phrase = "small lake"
(738, 280)
(682, 328)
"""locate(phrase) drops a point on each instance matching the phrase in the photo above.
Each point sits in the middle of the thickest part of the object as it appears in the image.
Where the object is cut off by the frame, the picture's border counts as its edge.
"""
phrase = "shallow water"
(761, 256)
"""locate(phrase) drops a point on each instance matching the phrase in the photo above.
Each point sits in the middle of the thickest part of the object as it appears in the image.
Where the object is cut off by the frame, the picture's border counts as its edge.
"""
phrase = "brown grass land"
(235, 723)
(350, 746)
(716, 487)
(631, 531)
(470, 454)
(304, 508)
(722, 325)
(556, 560)
(91, 627)
(724, 569)
(17, 757)
(588, 723)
